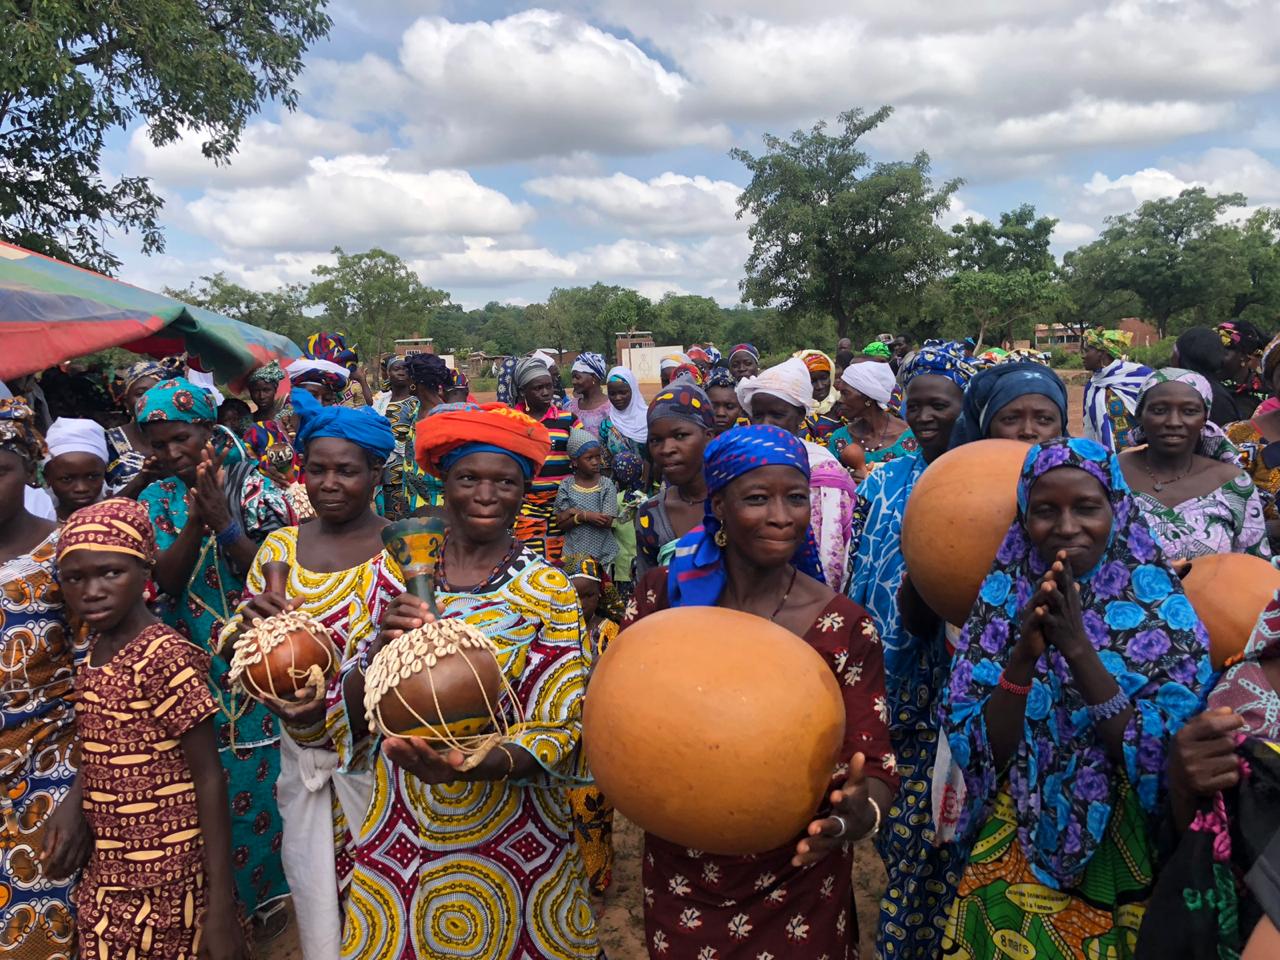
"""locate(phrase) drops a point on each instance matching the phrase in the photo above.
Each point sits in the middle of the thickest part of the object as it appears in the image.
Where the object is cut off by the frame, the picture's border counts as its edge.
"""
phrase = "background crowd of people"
(1037, 779)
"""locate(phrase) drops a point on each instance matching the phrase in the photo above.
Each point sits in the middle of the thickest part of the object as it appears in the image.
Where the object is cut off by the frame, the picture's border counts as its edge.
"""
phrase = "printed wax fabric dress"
(248, 734)
(39, 656)
(485, 869)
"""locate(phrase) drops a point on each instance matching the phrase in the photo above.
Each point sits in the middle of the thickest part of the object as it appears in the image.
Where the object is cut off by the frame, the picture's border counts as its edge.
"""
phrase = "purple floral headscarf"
(1062, 781)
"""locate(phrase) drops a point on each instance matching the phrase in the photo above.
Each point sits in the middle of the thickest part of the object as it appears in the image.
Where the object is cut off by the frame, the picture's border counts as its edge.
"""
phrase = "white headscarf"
(787, 381)
(68, 435)
(633, 422)
(206, 380)
(873, 380)
(306, 365)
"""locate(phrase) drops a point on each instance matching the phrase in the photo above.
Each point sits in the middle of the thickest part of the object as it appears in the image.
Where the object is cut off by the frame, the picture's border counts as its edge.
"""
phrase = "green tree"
(374, 298)
(997, 306)
(686, 319)
(1173, 253)
(834, 233)
(280, 311)
(1088, 298)
(1020, 241)
(75, 71)
(1257, 257)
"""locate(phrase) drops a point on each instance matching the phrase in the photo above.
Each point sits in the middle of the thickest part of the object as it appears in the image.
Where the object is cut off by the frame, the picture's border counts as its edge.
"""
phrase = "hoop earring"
(720, 538)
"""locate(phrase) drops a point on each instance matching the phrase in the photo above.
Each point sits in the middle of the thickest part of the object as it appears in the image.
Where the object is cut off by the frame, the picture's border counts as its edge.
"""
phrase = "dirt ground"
(621, 921)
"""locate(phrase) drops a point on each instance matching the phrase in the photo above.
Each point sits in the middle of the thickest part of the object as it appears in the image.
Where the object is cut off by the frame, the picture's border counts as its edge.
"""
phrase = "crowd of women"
(1062, 774)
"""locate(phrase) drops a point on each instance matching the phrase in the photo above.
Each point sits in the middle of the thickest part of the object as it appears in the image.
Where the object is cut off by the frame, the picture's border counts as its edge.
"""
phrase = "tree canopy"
(74, 71)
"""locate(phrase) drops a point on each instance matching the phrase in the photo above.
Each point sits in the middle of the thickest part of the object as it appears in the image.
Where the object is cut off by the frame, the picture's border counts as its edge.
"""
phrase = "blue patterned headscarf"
(368, 430)
(696, 575)
(177, 401)
(1063, 782)
(940, 358)
(592, 364)
(995, 388)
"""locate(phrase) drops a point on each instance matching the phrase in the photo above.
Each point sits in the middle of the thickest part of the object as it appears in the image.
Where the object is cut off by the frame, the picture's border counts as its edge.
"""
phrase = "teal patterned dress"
(248, 734)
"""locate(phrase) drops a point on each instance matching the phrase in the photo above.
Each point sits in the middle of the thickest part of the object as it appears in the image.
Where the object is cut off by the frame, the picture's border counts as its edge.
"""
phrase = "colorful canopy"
(51, 311)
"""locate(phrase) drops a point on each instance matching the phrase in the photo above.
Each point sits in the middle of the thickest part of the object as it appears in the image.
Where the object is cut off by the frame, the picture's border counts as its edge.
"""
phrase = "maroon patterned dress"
(701, 906)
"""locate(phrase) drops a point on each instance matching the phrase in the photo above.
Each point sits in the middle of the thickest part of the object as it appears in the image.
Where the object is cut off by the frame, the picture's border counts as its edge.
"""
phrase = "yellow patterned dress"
(319, 799)
(490, 870)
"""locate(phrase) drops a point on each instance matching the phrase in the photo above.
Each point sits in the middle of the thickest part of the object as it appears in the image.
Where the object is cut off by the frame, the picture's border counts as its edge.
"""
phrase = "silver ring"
(844, 825)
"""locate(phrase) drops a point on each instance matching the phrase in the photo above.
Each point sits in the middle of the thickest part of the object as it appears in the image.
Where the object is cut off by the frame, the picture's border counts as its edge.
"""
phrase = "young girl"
(159, 881)
(592, 811)
(587, 502)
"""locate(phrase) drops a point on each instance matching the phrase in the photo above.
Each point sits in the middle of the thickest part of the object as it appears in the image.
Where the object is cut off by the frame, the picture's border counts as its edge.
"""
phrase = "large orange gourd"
(1229, 592)
(957, 517)
(713, 729)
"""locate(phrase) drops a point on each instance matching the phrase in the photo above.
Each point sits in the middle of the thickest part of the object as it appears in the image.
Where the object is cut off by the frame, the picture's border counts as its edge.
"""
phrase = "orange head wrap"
(453, 430)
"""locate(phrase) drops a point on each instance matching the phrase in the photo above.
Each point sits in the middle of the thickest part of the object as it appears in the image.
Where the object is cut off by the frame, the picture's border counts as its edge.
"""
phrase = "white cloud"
(354, 201)
(669, 204)
(1068, 234)
(1218, 170)
(269, 152)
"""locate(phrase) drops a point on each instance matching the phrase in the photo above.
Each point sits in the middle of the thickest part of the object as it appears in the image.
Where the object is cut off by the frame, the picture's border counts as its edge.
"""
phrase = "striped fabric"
(558, 422)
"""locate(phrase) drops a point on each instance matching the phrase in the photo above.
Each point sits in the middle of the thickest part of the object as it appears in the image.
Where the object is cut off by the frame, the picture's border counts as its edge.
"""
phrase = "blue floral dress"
(248, 734)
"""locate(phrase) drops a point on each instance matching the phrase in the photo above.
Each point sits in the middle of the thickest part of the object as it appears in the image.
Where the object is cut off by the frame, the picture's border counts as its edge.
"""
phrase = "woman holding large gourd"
(755, 553)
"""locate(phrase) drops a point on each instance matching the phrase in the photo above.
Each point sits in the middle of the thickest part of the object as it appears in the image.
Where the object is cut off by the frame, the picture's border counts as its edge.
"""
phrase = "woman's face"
(101, 587)
(855, 402)
(583, 383)
(821, 380)
(538, 394)
(744, 365)
(339, 479)
(676, 445)
(76, 479)
(773, 411)
(398, 376)
(619, 394)
(482, 494)
(765, 514)
(932, 405)
(1235, 363)
(15, 473)
(1031, 418)
(1094, 359)
(262, 394)
(1068, 510)
(724, 407)
(1173, 414)
(177, 446)
(135, 392)
(324, 394)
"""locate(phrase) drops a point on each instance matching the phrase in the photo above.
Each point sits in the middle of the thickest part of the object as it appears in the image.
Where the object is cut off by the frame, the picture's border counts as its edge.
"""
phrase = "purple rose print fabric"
(1136, 616)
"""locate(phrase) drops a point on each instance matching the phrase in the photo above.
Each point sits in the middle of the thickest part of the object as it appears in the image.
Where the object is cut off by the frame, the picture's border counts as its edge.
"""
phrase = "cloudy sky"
(504, 150)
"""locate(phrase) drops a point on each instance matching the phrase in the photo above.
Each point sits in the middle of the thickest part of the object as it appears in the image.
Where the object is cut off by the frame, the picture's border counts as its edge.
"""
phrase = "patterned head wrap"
(112, 526)
(628, 468)
(689, 372)
(1245, 687)
(271, 373)
(579, 442)
(326, 373)
(1242, 335)
(18, 433)
(995, 388)
(878, 350)
(940, 358)
(430, 371)
(141, 371)
(592, 364)
(671, 361)
(368, 430)
(458, 380)
(684, 401)
(696, 576)
(872, 379)
(720, 377)
(1062, 778)
(177, 401)
(452, 431)
(1213, 441)
(815, 360)
(746, 348)
(332, 347)
(713, 355)
(528, 370)
(788, 381)
(579, 566)
(174, 366)
(698, 355)
(1111, 342)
